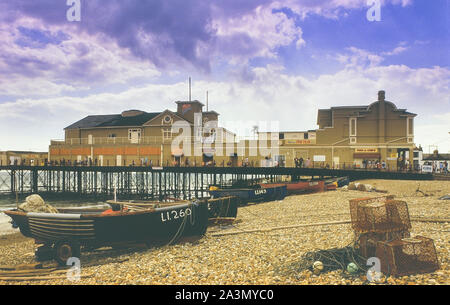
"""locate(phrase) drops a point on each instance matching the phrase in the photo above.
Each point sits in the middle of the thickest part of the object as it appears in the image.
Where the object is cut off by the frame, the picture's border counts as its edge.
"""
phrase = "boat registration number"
(261, 191)
(175, 214)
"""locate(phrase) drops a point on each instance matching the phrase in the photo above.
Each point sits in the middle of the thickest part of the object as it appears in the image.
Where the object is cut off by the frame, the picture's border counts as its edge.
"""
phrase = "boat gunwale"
(63, 216)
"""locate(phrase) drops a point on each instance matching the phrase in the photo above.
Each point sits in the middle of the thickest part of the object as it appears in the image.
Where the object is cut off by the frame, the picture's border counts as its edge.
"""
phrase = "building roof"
(436, 157)
(113, 120)
(24, 152)
(190, 102)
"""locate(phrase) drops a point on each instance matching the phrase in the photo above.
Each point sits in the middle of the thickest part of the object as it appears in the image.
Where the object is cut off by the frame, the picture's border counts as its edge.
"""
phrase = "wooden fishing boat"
(251, 194)
(338, 182)
(219, 207)
(64, 233)
(298, 187)
(223, 207)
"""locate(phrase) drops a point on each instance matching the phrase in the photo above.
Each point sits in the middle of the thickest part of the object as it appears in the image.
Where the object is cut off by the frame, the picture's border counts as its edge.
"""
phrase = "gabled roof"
(112, 120)
(137, 120)
(167, 111)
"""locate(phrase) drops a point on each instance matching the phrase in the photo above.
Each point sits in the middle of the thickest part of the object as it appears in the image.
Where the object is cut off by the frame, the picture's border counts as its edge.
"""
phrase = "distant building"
(418, 158)
(137, 137)
(354, 136)
(437, 160)
(32, 158)
(375, 135)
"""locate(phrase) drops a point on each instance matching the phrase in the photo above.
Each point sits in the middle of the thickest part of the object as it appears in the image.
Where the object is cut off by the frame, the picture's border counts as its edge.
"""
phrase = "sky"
(263, 62)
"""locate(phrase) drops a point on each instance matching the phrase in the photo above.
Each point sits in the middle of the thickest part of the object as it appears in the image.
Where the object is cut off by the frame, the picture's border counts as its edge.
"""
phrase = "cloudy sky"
(260, 60)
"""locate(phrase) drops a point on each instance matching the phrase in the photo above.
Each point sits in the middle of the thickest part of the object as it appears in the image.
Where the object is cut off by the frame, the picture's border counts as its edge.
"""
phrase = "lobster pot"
(367, 242)
(407, 256)
(380, 215)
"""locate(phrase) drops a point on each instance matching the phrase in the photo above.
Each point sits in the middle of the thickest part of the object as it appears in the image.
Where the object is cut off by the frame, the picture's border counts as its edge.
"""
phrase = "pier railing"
(157, 182)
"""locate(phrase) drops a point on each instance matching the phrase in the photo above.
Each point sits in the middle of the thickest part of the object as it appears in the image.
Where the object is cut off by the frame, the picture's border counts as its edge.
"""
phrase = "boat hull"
(167, 224)
(223, 207)
(252, 195)
(298, 187)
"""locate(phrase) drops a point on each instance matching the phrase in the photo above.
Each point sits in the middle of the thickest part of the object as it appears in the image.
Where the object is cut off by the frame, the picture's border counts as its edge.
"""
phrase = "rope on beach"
(283, 227)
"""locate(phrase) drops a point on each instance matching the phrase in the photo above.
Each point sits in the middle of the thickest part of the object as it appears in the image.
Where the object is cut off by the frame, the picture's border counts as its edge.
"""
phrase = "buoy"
(317, 267)
(352, 268)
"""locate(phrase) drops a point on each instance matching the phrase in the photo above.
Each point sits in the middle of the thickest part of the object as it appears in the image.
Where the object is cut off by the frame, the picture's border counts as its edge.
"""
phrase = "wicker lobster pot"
(407, 256)
(379, 215)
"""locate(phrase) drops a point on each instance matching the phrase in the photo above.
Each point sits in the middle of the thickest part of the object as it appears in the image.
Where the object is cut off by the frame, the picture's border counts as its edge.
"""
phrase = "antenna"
(189, 89)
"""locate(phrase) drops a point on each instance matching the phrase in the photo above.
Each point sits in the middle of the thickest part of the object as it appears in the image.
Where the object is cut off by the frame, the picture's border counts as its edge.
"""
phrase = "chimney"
(381, 96)
(381, 118)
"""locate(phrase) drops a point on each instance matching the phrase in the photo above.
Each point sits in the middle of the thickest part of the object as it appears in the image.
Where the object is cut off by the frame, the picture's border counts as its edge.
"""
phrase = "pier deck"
(156, 182)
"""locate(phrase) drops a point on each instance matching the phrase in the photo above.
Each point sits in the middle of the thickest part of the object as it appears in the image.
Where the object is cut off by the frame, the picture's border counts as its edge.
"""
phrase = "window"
(112, 135)
(352, 127)
(305, 136)
(134, 135)
(167, 133)
(167, 119)
(281, 136)
(410, 126)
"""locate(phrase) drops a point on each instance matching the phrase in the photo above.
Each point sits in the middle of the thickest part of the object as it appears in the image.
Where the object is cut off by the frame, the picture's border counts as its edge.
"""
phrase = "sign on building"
(319, 158)
(427, 168)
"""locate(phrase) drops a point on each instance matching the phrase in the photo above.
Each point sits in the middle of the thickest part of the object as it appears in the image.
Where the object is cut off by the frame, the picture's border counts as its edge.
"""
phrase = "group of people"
(374, 164)
(300, 162)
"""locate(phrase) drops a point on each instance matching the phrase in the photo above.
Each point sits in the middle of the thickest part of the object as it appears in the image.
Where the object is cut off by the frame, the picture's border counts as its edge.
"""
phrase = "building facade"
(33, 158)
(354, 137)
(137, 137)
(378, 134)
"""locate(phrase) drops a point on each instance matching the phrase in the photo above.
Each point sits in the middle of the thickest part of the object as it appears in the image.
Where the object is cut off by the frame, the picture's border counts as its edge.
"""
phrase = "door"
(119, 160)
(336, 162)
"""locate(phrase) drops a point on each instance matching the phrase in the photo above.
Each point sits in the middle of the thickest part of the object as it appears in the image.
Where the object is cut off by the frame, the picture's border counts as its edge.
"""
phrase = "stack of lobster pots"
(382, 226)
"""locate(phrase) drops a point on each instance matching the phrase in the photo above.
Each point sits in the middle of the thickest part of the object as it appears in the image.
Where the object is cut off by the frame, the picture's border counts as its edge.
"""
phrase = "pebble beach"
(254, 254)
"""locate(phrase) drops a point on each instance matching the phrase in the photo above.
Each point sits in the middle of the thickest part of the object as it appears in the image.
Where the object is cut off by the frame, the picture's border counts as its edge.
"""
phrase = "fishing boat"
(63, 234)
(219, 207)
(338, 182)
(298, 187)
(223, 207)
(251, 194)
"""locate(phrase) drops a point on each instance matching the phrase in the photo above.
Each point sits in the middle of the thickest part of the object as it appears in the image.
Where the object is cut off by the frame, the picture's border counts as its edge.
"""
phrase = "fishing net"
(334, 259)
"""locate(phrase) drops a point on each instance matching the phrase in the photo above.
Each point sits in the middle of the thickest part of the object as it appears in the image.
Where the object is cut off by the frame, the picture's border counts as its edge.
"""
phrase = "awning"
(367, 156)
